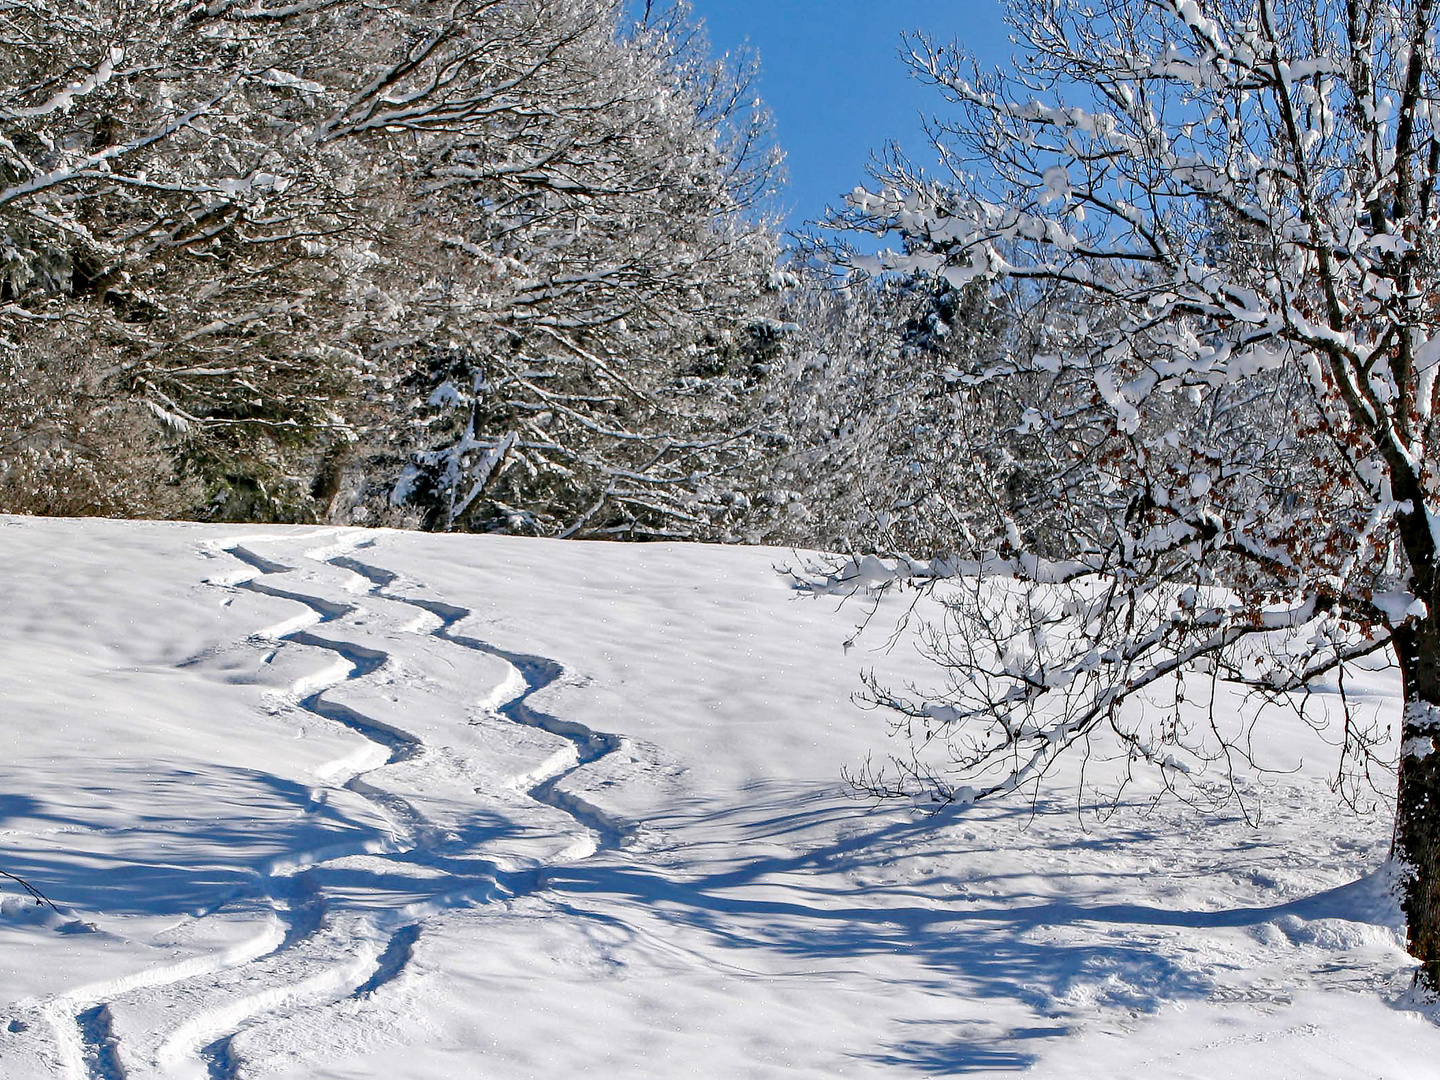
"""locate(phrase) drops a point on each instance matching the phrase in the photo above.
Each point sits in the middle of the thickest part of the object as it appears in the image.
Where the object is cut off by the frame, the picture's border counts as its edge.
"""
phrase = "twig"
(40, 898)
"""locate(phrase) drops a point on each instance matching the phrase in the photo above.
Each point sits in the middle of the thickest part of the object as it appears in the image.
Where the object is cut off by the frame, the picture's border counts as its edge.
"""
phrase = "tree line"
(485, 264)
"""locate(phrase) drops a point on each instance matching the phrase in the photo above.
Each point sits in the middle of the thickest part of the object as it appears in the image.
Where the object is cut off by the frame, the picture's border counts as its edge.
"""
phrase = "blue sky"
(834, 80)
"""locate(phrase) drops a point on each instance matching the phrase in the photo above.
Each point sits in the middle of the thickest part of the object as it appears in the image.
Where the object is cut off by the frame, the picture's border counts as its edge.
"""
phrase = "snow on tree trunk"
(1417, 818)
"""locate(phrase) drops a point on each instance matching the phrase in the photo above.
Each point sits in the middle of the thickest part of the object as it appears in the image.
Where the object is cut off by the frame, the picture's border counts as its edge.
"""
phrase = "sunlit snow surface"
(348, 804)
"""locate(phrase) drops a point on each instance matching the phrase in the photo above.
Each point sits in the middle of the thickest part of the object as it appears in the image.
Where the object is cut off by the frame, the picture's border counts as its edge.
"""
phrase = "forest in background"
(488, 266)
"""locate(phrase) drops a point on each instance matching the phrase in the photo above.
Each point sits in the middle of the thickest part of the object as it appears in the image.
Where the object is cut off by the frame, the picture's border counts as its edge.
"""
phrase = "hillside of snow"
(329, 804)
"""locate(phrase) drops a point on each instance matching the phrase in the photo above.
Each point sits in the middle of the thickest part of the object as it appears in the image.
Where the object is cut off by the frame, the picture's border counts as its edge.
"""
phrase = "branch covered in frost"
(1220, 223)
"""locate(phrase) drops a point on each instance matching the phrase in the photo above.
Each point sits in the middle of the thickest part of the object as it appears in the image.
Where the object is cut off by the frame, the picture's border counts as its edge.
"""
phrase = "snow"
(331, 804)
(280, 77)
(1418, 747)
(65, 99)
(1399, 606)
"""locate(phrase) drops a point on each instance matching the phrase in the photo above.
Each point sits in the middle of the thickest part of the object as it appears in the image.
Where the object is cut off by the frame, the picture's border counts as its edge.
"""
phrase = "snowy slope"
(343, 804)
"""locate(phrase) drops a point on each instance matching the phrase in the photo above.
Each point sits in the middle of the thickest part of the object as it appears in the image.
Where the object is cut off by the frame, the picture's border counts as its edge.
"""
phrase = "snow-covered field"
(348, 804)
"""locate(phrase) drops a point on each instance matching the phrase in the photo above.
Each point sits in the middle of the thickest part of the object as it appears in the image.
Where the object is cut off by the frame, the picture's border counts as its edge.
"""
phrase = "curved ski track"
(300, 958)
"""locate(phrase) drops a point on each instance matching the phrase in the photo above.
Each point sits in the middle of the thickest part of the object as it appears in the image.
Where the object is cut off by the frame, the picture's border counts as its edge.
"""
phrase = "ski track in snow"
(535, 674)
(274, 974)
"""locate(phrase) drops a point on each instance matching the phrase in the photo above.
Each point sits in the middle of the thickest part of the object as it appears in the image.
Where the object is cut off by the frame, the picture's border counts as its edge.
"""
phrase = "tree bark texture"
(1417, 816)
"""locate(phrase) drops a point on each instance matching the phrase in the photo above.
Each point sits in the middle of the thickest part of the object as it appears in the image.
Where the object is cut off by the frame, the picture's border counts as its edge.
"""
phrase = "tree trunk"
(1417, 812)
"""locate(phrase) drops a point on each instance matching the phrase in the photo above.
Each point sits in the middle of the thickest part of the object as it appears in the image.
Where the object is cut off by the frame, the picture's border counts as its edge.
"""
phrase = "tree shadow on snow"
(159, 861)
(954, 1053)
(825, 905)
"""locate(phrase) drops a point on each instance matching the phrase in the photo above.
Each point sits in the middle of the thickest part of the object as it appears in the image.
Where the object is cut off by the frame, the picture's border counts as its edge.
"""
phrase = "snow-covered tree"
(292, 227)
(156, 189)
(877, 426)
(1240, 419)
(589, 250)
(68, 445)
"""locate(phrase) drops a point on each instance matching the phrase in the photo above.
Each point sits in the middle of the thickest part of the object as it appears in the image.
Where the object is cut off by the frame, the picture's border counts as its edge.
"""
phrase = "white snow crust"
(324, 804)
